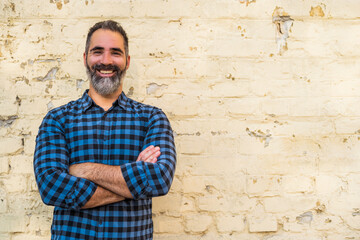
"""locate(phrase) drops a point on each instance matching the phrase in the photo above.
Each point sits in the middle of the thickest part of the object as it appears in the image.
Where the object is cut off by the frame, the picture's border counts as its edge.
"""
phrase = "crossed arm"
(88, 185)
(111, 185)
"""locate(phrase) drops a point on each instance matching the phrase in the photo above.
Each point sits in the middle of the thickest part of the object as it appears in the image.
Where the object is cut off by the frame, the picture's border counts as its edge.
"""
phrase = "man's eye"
(97, 52)
(117, 53)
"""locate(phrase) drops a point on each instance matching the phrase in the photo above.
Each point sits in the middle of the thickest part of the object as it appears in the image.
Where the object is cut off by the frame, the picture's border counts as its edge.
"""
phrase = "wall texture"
(263, 96)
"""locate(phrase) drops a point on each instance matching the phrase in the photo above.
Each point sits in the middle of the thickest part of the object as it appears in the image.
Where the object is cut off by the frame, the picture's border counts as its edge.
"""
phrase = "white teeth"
(105, 72)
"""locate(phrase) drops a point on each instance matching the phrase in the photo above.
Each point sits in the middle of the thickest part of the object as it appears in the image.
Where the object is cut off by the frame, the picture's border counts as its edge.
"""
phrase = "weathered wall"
(263, 97)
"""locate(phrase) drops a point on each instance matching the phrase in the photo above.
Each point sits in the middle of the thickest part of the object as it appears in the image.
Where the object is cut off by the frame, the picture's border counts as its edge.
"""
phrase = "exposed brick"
(36, 105)
(10, 145)
(164, 224)
(187, 205)
(202, 184)
(4, 165)
(298, 184)
(266, 223)
(30, 236)
(5, 236)
(192, 145)
(29, 144)
(169, 203)
(353, 181)
(326, 222)
(211, 203)
(8, 107)
(197, 223)
(3, 201)
(14, 183)
(10, 223)
(21, 164)
(289, 204)
(230, 223)
(264, 185)
(329, 184)
(40, 223)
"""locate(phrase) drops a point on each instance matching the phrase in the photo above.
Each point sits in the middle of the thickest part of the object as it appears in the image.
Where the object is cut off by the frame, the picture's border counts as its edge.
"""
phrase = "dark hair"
(107, 25)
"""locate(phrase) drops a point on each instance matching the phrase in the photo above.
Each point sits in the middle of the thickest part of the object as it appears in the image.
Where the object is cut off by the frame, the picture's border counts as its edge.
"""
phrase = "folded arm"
(150, 176)
(51, 161)
(147, 180)
(110, 177)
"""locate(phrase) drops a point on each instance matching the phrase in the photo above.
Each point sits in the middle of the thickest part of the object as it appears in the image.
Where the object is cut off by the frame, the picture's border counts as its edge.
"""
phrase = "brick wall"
(263, 97)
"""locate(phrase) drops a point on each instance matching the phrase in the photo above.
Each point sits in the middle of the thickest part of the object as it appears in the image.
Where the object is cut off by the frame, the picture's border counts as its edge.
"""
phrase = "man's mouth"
(106, 71)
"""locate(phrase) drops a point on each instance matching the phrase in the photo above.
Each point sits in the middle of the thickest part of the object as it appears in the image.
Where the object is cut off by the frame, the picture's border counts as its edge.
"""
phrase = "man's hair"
(107, 25)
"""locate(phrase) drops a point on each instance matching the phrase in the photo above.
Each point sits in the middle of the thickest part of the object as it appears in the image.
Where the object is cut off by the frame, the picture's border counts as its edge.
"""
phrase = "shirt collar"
(87, 102)
(122, 101)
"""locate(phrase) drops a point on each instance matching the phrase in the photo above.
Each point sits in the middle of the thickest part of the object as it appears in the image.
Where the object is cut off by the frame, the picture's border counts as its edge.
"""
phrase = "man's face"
(106, 62)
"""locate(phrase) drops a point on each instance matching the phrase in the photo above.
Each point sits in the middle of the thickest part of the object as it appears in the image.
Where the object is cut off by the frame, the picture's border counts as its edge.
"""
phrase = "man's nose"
(106, 59)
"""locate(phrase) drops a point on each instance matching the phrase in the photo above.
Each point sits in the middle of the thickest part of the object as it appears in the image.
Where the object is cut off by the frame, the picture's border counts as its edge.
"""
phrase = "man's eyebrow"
(101, 48)
(117, 50)
(96, 48)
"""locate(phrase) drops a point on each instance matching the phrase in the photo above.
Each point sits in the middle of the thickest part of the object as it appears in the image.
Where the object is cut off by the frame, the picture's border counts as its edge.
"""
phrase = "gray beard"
(105, 86)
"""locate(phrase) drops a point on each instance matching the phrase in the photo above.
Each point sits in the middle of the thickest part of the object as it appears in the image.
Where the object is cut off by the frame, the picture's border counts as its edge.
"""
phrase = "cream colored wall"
(263, 97)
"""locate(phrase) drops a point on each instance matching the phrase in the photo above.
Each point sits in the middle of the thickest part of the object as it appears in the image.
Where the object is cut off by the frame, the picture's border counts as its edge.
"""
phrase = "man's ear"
(127, 62)
(85, 59)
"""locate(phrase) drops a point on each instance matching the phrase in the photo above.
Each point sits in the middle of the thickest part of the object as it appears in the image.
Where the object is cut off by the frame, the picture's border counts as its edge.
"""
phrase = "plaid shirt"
(81, 131)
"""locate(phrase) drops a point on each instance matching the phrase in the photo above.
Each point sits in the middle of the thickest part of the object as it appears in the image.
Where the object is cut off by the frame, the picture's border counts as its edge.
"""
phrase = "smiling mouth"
(106, 71)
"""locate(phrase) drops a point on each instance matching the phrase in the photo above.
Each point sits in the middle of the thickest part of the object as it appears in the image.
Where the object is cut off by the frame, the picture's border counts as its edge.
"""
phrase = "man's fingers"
(153, 157)
(149, 154)
(141, 155)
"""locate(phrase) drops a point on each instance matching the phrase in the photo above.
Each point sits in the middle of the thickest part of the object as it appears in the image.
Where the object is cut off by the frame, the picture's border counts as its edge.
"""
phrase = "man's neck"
(104, 101)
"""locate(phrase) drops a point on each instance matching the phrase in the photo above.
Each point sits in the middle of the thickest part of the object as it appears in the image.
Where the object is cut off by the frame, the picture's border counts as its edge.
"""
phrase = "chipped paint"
(154, 87)
(306, 218)
(50, 106)
(130, 92)
(79, 83)
(51, 75)
(247, 2)
(317, 11)
(7, 121)
(264, 137)
(283, 23)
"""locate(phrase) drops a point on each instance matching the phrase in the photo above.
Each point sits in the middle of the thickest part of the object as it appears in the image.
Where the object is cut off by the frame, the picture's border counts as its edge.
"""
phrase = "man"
(98, 159)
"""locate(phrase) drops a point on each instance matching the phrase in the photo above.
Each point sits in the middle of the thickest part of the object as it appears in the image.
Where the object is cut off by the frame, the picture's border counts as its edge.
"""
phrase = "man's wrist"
(83, 170)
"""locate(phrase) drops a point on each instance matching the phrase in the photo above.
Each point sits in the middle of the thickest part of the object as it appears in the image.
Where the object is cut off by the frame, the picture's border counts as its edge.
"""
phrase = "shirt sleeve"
(146, 180)
(51, 166)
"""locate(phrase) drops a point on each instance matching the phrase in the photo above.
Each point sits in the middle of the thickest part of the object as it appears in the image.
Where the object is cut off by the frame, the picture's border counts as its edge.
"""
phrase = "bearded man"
(102, 158)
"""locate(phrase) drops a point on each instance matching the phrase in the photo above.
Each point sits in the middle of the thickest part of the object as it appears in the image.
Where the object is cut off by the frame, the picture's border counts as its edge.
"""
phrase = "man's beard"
(105, 85)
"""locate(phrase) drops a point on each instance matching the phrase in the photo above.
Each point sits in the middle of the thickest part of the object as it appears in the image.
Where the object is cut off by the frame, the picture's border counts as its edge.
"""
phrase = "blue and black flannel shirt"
(81, 131)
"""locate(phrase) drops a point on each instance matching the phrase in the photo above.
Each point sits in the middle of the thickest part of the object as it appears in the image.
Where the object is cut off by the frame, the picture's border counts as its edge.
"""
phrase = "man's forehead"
(105, 36)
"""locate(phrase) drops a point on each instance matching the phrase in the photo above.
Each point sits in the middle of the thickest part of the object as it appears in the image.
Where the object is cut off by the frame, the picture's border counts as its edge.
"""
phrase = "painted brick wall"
(263, 97)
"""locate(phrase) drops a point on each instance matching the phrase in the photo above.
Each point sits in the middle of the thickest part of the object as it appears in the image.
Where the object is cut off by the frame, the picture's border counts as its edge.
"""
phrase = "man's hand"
(149, 154)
